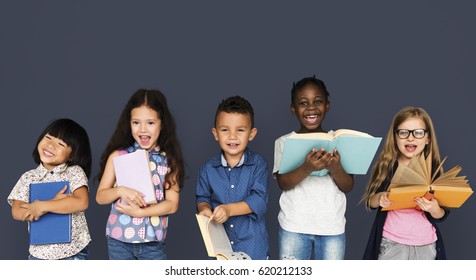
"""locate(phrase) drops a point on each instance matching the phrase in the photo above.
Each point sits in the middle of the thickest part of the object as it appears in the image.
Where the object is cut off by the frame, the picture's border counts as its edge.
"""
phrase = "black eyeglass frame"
(412, 132)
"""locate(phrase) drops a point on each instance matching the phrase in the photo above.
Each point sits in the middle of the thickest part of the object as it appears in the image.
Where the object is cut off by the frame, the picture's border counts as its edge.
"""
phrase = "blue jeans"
(300, 246)
(82, 255)
(119, 250)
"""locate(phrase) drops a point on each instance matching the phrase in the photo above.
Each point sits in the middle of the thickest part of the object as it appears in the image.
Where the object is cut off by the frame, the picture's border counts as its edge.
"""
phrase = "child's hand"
(61, 194)
(33, 211)
(128, 208)
(206, 212)
(383, 200)
(334, 162)
(317, 159)
(220, 214)
(431, 206)
(131, 196)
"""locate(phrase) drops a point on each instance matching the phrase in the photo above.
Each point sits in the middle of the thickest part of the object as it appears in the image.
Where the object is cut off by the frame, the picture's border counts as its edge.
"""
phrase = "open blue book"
(51, 227)
(357, 150)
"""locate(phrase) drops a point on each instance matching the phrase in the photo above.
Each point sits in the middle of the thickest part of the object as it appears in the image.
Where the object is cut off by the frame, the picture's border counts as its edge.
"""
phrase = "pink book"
(132, 171)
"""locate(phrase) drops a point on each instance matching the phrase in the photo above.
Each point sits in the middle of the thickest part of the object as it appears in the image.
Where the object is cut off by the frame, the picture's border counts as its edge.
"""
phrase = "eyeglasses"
(405, 133)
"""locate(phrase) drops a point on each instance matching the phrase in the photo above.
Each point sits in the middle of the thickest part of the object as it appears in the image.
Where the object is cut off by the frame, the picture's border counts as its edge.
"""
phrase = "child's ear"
(293, 110)
(253, 133)
(328, 105)
(215, 133)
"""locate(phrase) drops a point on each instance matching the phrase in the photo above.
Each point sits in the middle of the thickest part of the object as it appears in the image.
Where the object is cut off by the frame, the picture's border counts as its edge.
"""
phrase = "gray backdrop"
(84, 59)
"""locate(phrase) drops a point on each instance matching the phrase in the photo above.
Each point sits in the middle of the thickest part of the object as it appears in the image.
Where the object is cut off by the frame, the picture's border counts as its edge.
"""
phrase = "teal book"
(357, 150)
(51, 227)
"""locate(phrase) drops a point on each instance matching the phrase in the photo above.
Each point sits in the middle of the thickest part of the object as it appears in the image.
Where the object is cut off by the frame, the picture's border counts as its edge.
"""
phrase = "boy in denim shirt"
(232, 187)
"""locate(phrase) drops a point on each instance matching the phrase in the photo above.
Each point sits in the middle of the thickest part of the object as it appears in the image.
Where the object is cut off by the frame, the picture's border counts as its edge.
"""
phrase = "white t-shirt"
(315, 206)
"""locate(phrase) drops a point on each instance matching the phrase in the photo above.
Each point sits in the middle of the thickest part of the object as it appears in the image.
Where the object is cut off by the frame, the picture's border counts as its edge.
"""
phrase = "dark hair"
(122, 136)
(74, 136)
(236, 104)
(297, 86)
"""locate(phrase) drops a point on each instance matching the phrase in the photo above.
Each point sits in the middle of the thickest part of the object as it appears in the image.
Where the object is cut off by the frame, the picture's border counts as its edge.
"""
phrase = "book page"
(314, 135)
(350, 132)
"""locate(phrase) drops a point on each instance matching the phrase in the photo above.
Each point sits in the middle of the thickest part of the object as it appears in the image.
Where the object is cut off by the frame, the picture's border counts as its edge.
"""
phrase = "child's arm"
(315, 160)
(256, 201)
(18, 210)
(107, 193)
(344, 181)
(379, 199)
(223, 212)
(60, 204)
(165, 207)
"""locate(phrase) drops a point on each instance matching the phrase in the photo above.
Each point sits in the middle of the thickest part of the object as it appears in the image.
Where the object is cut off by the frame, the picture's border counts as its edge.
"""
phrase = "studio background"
(83, 60)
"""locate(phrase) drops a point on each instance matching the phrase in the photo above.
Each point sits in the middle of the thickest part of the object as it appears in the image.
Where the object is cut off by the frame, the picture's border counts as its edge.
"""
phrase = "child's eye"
(62, 145)
(303, 103)
(48, 137)
(151, 123)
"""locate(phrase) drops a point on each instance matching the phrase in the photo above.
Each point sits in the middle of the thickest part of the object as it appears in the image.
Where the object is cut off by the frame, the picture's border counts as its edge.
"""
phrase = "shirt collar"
(222, 161)
(155, 150)
(42, 170)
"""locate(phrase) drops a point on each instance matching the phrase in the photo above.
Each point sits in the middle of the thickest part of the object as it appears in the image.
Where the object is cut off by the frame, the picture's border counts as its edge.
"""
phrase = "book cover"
(214, 236)
(51, 227)
(132, 171)
(417, 178)
(357, 150)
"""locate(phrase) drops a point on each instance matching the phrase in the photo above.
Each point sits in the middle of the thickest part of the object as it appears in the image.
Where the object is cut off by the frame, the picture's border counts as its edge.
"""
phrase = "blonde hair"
(383, 167)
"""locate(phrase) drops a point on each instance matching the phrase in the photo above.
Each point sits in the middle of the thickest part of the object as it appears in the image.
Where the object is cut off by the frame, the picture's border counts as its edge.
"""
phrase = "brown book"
(416, 179)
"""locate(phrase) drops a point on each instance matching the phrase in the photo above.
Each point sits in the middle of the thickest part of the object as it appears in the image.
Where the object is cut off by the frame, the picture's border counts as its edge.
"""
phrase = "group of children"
(232, 187)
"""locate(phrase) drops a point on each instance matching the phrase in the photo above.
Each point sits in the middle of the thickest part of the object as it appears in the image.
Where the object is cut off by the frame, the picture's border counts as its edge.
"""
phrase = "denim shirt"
(218, 184)
(142, 229)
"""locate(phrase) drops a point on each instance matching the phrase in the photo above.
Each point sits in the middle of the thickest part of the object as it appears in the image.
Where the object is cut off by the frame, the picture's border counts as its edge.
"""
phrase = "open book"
(416, 179)
(216, 240)
(51, 227)
(357, 150)
(132, 171)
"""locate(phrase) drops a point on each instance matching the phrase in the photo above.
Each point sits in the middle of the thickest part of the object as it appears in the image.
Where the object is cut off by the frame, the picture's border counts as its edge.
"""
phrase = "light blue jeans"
(300, 246)
(119, 250)
(82, 255)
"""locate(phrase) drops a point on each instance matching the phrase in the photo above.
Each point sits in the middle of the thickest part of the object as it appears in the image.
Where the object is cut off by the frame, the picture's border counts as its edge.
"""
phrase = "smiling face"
(145, 127)
(53, 151)
(310, 106)
(233, 131)
(411, 146)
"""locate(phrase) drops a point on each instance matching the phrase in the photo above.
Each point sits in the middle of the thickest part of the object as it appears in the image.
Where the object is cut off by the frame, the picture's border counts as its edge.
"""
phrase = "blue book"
(357, 150)
(51, 227)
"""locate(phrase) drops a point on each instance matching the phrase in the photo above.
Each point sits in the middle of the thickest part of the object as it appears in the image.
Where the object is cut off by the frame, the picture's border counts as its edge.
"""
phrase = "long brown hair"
(122, 137)
(382, 169)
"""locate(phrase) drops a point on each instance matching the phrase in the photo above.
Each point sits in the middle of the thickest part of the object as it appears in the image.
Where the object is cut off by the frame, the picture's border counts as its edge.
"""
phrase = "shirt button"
(232, 186)
(229, 169)
(52, 172)
(231, 242)
(231, 226)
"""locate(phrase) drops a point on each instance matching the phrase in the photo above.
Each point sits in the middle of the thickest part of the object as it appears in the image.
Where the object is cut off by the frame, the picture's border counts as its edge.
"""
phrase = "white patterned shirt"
(76, 177)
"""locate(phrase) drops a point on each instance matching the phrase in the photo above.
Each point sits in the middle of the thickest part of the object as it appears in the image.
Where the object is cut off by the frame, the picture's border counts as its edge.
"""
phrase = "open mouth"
(312, 119)
(48, 154)
(410, 148)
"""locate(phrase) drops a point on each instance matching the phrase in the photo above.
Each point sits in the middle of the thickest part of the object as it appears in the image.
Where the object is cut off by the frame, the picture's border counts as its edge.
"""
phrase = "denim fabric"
(82, 255)
(300, 246)
(390, 250)
(119, 250)
(219, 184)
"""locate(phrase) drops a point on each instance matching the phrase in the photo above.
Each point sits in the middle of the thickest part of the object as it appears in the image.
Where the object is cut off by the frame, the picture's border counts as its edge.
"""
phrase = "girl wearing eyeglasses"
(404, 234)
